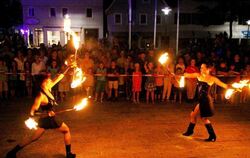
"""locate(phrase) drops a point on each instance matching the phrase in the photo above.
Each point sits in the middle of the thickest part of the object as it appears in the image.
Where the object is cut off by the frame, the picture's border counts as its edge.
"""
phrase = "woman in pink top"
(136, 83)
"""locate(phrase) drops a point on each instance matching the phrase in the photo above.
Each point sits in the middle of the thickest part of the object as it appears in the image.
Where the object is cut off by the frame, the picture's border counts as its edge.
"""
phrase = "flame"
(31, 123)
(66, 63)
(81, 105)
(163, 58)
(182, 81)
(76, 41)
(241, 84)
(78, 78)
(229, 93)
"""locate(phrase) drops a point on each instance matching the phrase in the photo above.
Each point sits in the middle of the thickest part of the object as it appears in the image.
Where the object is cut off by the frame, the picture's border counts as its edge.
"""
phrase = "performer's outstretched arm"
(191, 75)
(220, 83)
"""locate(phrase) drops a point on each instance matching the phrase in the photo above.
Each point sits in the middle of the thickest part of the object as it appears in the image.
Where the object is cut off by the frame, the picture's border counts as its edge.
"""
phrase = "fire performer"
(205, 106)
(45, 101)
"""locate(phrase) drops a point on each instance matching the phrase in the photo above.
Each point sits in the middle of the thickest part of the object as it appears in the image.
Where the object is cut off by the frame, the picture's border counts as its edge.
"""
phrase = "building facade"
(44, 20)
(191, 23)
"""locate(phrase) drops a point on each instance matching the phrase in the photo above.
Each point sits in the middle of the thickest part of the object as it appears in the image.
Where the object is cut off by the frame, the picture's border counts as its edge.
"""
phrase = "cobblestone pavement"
(125, 130)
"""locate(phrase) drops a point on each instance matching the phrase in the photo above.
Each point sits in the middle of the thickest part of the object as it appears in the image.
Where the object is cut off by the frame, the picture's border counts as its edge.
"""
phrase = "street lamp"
(166, 10)
(248, 24)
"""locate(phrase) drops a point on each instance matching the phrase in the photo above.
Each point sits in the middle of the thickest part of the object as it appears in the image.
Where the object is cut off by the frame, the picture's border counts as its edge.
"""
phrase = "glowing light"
(182, 81)
(31, 123)
(229, 93)
(78, 78)
(81, 105)
(166, 10)
(163, 58)
(76, 41)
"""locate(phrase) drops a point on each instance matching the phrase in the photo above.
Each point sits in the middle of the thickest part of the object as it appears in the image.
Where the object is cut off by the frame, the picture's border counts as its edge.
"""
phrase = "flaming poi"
(163, 58)
(229, 93)
(78, 78)
(81, 105)
(236, 85)
(31, 123)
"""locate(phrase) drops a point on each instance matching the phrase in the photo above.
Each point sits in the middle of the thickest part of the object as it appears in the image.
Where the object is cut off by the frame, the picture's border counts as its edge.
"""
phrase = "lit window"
(53, 37)
(89, 13)
(118, 18)
(52, 12)
(64, 11)
(143, 19)
(31, 12)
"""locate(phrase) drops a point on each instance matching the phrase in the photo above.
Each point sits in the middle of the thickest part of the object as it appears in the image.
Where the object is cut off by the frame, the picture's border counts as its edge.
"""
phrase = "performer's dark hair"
(40, 78)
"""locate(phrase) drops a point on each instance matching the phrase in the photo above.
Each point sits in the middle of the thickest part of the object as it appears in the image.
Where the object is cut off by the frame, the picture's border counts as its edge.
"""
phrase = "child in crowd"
(89, 83)
(113, 75)
(53, 69)
(136, 83)
(28, 78)
(176, 83)
(3, 80)
(150, 81)
(101, 73)
(63, 85)
(159, 81)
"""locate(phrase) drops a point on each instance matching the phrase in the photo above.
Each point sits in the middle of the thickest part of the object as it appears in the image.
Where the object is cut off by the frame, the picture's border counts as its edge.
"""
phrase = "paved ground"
(123, 130)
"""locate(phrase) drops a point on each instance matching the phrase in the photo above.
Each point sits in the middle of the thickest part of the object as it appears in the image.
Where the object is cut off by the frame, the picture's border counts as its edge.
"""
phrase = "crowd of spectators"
(114, 74)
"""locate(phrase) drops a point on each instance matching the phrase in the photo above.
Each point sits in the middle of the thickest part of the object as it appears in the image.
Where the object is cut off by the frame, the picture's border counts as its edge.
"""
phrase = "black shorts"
(49, 122)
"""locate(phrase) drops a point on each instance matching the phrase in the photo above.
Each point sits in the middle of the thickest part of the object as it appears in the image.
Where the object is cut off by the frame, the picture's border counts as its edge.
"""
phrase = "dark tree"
(10, 13)
(225, 11)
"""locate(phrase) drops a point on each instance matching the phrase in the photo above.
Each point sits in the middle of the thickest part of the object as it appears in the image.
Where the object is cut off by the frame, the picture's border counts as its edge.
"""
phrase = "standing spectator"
(63, 85)
(21, 76)
(222, 73)
(3, 80)
(191, 83)
(36, 68)
(113, 73)
(150, 82)
(237, 63)
(86, 62)
(121, 60)
(136, 81)
(129, 83)
(180, 64)
(167, 82)
(28, 78)
(13, 78)
(100, 81)
(53, 69)
(43, 56)
(89, 83)
(159, 81)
